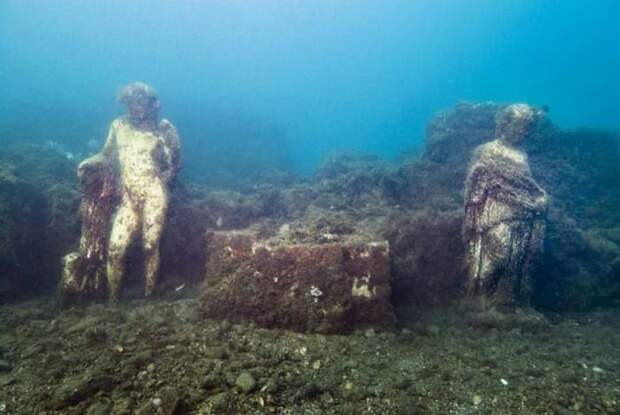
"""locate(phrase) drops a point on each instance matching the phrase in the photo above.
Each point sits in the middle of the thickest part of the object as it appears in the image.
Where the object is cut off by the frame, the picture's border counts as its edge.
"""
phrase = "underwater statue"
(125, 192)
(505, 214)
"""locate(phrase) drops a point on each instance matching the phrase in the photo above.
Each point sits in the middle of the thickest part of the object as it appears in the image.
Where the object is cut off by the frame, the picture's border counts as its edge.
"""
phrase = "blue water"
(300, 78)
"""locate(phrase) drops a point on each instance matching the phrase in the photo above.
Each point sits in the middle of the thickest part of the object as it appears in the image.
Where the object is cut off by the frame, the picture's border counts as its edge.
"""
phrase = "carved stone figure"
(125, 194)
(505, 212)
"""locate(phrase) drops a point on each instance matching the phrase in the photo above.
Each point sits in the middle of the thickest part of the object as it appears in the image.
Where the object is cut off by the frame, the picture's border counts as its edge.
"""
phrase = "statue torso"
(140, 155)
(512, 193)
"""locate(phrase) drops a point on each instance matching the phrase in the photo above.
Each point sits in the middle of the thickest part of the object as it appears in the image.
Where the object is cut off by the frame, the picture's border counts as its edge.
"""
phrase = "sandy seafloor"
(161, 357)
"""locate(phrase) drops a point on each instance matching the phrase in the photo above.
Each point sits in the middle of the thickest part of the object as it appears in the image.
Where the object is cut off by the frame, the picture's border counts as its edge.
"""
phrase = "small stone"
(369, 332)
(6, 380)
(595, 369)
(99, 408)
(5, 366)
(147, 409)
(219, 401)
(316, 365)
(504, 381)
(270, 387)
(216, 352)
(433, 330)
(477, 400)
(82, 325)
(139, 359)
(245, 382)
(150, 367)
(122, 407)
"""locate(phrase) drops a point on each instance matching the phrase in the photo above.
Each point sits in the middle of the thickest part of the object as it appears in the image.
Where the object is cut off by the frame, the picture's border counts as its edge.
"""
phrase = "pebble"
(433, 330)
(219, 401)
(245, 382)
(504, 381)
(477, 400)
(5, 366)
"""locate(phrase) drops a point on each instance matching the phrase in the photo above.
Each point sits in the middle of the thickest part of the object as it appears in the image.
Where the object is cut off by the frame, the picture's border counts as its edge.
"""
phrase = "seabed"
(154, 358)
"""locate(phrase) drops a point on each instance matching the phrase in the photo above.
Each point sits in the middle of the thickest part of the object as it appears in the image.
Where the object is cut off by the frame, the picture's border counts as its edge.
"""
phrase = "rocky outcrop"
(38, 218)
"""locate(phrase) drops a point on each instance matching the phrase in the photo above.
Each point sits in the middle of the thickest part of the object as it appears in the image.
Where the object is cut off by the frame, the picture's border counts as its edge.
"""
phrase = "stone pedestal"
(84, 271)
(323, 288)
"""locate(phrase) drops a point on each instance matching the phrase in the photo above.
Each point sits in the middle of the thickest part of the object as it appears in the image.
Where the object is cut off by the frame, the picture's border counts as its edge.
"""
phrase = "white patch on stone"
(315, 292)
(361, 287)
(257, 246)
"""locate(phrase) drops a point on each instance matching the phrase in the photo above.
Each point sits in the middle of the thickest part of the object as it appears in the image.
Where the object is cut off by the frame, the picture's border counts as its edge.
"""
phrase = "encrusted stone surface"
(83, 276)
(325, 288)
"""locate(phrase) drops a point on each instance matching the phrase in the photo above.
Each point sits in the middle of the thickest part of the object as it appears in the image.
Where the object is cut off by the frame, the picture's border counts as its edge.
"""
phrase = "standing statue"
(125, 192)
(505, 212)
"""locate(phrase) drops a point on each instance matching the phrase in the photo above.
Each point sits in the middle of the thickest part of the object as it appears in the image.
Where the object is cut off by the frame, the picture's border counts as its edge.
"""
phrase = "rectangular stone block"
(323, 288)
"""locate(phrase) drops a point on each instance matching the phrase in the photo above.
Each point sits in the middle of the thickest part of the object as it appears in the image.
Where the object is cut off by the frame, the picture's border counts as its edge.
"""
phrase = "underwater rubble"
(162, 357)
(224, 337)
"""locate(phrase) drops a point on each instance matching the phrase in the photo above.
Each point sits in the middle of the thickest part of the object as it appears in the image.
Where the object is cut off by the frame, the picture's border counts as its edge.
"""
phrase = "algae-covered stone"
(327, 288)
(5, 366)
(245, 382)
(220, 401)
(139, 359)
(169, 400)
(100, 408)
(79, 388)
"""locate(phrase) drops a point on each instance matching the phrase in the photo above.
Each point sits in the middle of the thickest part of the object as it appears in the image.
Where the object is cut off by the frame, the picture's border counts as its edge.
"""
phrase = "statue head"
(142, 104)
(516, 122)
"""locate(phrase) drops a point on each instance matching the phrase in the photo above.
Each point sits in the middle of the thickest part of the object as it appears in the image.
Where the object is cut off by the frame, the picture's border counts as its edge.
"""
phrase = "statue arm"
(104, 156)
(476, 188)
(172, 150)
(529, 193)
(476, 185)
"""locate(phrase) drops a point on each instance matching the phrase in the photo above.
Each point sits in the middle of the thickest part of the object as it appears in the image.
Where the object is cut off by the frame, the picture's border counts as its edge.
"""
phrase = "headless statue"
(125, 195)
(505, 213)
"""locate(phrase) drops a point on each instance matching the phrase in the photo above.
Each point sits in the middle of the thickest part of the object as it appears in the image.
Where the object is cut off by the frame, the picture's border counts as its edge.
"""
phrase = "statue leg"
(154, 217)
(124, 228)
(481, 263)
(530, 252)
(503, 257)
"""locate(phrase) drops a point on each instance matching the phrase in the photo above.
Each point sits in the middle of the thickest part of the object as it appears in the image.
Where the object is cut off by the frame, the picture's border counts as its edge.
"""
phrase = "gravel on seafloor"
(161, 357)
